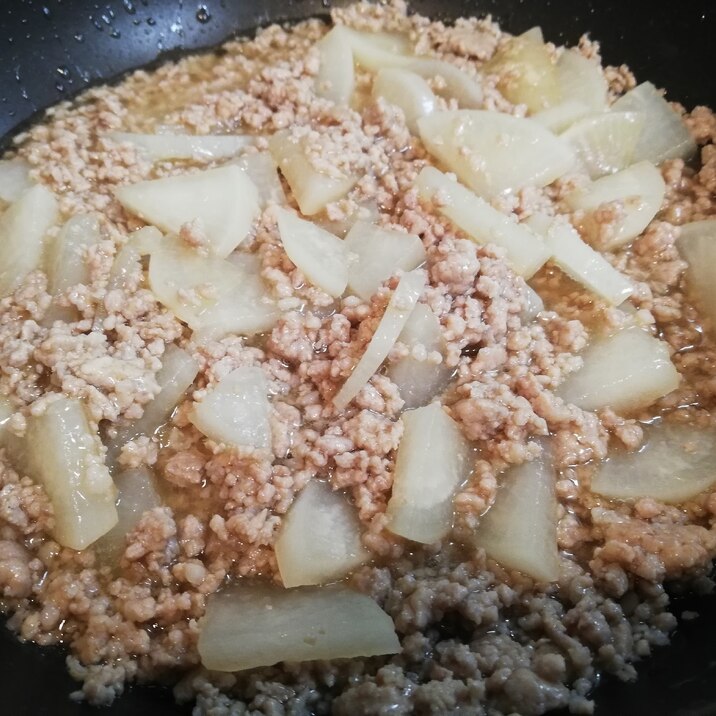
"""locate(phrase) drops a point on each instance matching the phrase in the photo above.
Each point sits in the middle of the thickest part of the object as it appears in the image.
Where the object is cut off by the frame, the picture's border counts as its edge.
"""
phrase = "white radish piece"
(450, 81)
(162, 147)
(136, 494)
(250, 625)
(406, 90)
(582, 80)
(525, 73)
(14, 179)
(374, 50)
(263, 172)
(212, 295)
(433, 460)
(6, 412)
(534, 34)
(562, 115)
(493, 152)
(585, 265)
(320, 256)
(235, 411)
(676, 463)
(336, 75)
(224, 201)
(396, 314)
(697, 244)
(23, 229)
(319, 539)
(664, 135)
(520, 529)
(64, 456)
(534, 305)
(605, 142)
(311, 189)
(526, 251)
(419, 381)
(146, 240)
(625, 371)
(640, 190)
(376, 254)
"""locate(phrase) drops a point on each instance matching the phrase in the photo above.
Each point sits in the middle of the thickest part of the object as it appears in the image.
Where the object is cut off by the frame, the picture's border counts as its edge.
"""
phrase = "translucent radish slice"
(697, 244)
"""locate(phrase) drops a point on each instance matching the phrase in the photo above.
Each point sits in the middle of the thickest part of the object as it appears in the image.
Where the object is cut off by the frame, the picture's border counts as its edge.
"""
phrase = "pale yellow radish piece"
(336, 76)
(520, 529)
(250, 625)
(697, 244)
(676, 463)
(433, 460)
(396, 314)
(321, 256)
(605, 142)
(493, 152)
(534, 305)
(450, 81)
(406, 90)
(534, 34)
(420, 380)
(136, 494)
(161, 147)
(374, 50)
(562, 115)
(14, 179)
(585, 265)
(67, 261)
(319, 540)
(261, 168)
(223, 201)
(526, 251)
(235, 411)
(311, 189)
(6, 412)
(625, 371)
(213, 295)
(526, 73)
(664, 134)
(640, 191)
(146, 240)
(582, 79)
(64, 455)
(376, 254)
(23, 229)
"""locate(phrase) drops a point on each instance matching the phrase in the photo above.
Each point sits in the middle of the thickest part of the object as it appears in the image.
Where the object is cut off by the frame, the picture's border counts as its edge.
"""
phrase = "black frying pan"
(54, 49)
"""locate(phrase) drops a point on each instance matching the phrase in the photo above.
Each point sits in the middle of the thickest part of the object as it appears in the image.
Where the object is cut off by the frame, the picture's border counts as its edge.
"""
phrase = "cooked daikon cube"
(697, 245)
(160, 147)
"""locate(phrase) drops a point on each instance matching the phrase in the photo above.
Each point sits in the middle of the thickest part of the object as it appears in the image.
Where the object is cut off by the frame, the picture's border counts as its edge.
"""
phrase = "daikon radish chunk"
(626, 371)
(605, 142)
(520, 529)
(406, 90)
(585, 265)
(319, 540)
(224, 201)
(493, 152)
(419, 381)
(433, 460)
(235, 411)
(336, 76)
(676, 463)
(23, 229)
(321, 256)
(582, 79)
(263, 172)
(525, 250)
(396, 314)
(211, 294)
(640, 189)
(697, 244)
(664, 134)
(534, 305)
(6, 412)
(377, 254)
(136, 494)
(311, 189)
(252, 625)
(526, 73)
(146, 240)
(67, 262)
(534, 34)
(14, 179)
(374, 50)
(450, 82)
(161, 147)
(562, 115)
(65, 457)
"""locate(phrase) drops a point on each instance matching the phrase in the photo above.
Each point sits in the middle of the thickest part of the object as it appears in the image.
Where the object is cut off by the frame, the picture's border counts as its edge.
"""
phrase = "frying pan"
(54, 49)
